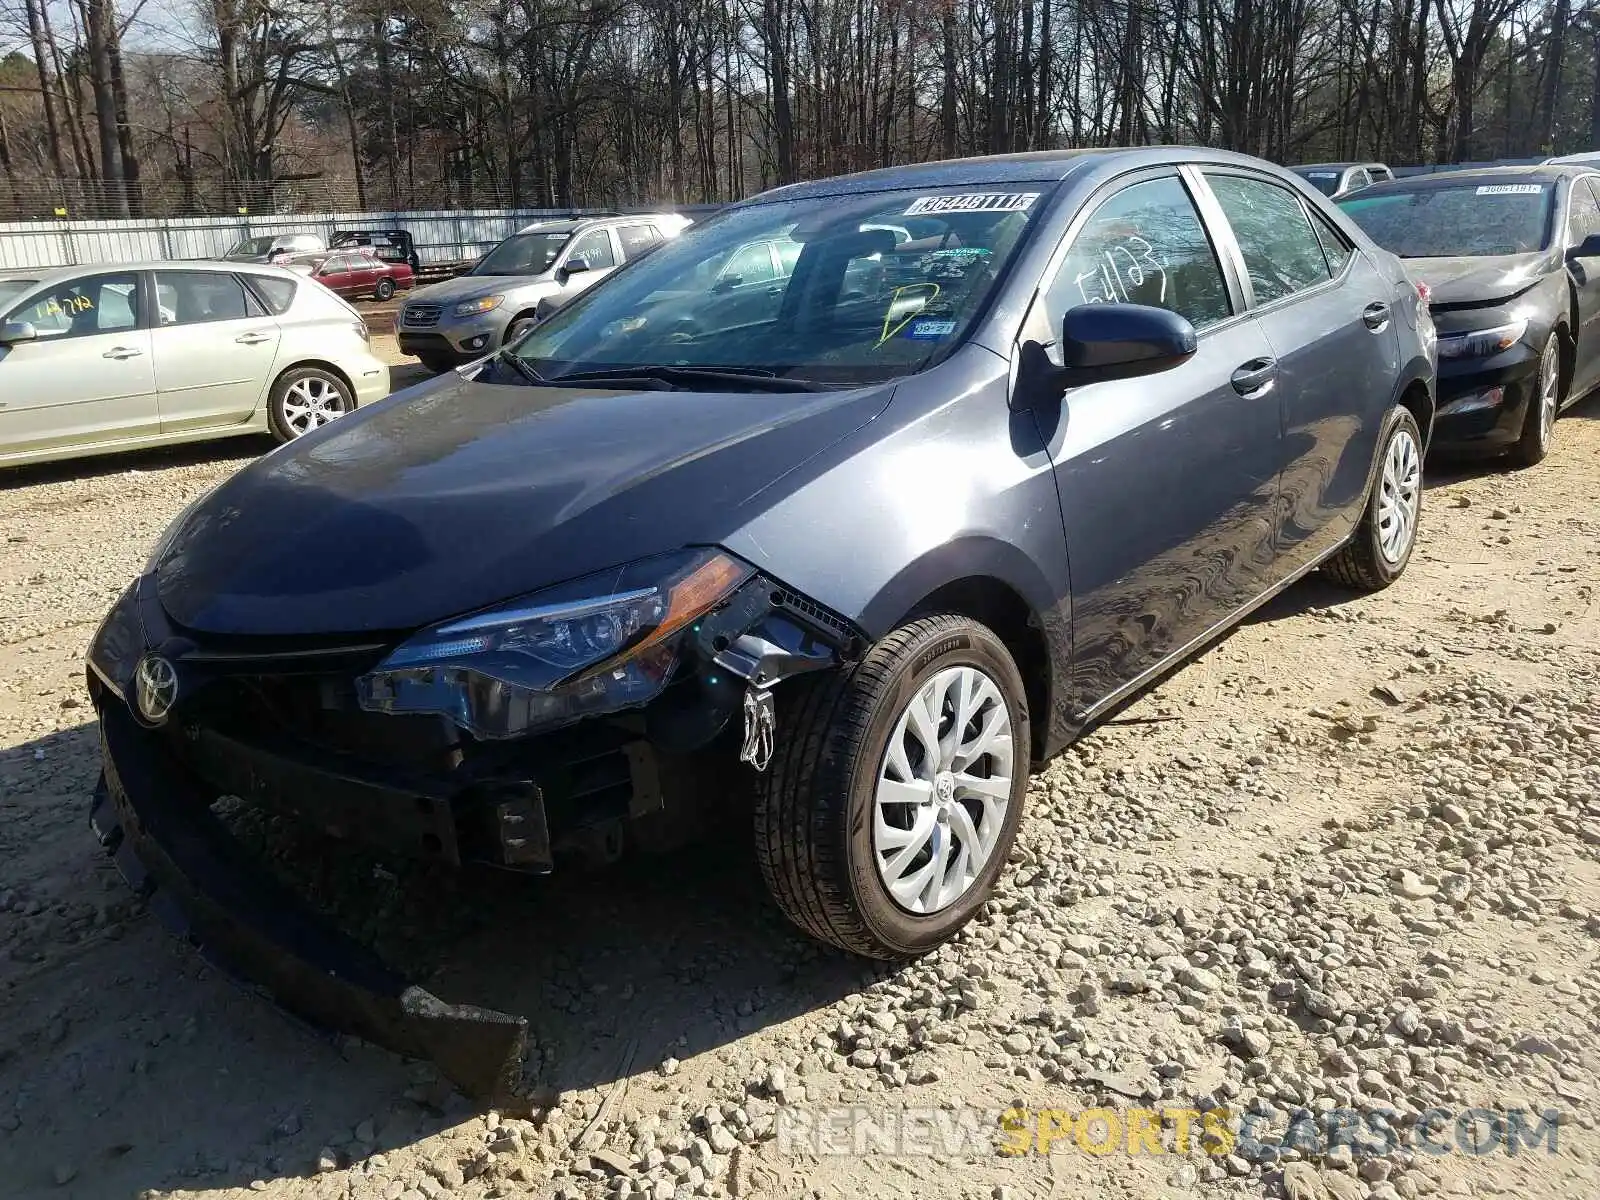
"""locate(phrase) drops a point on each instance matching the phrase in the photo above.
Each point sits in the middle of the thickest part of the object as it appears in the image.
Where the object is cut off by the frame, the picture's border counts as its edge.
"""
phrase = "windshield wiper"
(504, 355)
(756, 379)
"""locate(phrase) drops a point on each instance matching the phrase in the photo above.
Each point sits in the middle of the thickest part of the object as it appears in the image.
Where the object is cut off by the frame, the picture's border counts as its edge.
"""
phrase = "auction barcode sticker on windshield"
(972, 202)
(1511, 189)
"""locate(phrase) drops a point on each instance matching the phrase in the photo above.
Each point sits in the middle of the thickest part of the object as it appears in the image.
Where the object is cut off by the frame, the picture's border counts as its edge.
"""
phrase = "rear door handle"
(1375, 315)
(253, 339)
(121, 352)
(1255, 377)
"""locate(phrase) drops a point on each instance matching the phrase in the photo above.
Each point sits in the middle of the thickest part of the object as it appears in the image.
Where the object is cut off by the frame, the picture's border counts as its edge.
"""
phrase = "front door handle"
(1255, 378)
(121, 352)
(1375, 315)
(253, 339)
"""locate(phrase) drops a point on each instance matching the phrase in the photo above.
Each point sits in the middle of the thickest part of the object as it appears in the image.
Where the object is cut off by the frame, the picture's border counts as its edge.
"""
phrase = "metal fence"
(440, 236)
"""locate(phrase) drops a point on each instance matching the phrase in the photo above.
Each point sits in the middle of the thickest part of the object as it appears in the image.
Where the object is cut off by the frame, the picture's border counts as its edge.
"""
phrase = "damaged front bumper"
(277, 727)
(207, 889)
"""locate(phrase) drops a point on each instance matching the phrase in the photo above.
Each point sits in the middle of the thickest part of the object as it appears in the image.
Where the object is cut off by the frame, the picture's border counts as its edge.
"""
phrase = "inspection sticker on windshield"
(930, 330)
(1511, 189)
(967, 202)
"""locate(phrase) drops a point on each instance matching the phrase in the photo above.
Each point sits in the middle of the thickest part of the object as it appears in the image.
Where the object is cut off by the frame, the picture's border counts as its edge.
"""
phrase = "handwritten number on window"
(1132, 263)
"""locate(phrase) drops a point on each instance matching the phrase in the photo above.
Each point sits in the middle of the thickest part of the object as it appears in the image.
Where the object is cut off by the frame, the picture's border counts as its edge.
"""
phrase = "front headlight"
(596, 645)
(1481, 343)
(483, 304)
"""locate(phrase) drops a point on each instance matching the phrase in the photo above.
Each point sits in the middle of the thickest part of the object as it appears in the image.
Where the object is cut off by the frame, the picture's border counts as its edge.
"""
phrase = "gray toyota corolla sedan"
(889, 512)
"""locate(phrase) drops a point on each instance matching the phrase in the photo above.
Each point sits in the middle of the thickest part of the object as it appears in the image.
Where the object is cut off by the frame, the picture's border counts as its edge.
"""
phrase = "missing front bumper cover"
(204, 886)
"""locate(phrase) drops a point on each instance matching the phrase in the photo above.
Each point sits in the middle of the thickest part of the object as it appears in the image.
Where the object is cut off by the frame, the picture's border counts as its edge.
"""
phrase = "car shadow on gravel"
(165, 458)
(137, 1065)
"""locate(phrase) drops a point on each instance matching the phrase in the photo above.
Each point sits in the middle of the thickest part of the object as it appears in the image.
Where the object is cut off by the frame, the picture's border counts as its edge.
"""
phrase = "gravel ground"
(1349, 859)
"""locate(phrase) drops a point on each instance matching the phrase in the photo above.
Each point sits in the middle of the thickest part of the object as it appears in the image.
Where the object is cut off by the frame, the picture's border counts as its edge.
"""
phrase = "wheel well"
(1416, 401)
(995, 605)
(321, 366)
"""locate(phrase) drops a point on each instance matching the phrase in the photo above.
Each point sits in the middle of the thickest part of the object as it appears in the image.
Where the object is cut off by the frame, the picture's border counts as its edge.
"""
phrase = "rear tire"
(1539, 422)
(1377, 553)
(858, 832)
(304, 399)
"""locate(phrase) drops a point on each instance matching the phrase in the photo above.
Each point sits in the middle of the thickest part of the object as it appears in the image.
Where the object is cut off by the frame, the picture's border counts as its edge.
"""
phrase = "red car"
(357, 273)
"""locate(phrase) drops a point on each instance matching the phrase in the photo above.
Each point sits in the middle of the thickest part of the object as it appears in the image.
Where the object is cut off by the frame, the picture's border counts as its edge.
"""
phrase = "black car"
(1511, 260)
(1020, 435)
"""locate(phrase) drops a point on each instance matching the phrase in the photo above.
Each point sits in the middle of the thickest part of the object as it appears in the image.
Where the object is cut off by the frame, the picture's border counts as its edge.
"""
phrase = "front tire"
(1377, 553)
(437, 363)
(896, 789)
(516, 329)
(1539, 422)
(384, 290)
(304, 399)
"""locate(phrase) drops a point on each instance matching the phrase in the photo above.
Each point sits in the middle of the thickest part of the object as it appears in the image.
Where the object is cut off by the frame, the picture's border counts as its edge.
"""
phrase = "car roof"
(571, 224)
(59, 274)
(1335, 166)
(1038, 166)
(1537, 173)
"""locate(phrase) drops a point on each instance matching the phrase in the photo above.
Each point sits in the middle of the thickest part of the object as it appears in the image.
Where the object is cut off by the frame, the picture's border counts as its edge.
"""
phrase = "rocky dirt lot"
(1349, 859)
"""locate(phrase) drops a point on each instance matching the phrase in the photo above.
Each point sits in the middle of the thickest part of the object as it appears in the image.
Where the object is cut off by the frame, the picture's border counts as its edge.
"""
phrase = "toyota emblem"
(156, 687)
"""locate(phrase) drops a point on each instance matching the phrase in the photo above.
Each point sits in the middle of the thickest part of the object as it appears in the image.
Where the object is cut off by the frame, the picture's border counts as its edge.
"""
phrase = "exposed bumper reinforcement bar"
(207, 889)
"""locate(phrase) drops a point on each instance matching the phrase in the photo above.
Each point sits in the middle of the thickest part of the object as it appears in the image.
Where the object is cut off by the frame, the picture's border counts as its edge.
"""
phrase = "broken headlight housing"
(595, 645)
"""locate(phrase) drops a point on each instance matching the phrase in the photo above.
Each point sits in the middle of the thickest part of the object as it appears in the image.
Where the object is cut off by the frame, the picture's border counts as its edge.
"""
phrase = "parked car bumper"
(370, 378)
(450, 339)
(206, 888)
(1482, 406)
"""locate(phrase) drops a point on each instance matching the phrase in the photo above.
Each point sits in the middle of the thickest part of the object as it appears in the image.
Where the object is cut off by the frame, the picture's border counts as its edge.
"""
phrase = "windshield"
(1326, 182)
(10, 289)
(258, 245)
(830, 289)
(1465, 220)
(523, 254)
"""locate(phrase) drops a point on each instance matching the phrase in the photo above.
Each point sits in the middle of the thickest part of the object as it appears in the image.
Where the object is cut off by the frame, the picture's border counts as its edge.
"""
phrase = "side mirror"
(1121, 341)
(572, 266)
(726, 283)
(13, 332)
(1588, 248)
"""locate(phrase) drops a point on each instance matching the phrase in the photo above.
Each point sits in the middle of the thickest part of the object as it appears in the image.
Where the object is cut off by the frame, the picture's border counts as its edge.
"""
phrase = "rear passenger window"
(1145, 245)
(1281, 252)
(636, 239)
(1334, 248)
(276, 294)
(196, 297)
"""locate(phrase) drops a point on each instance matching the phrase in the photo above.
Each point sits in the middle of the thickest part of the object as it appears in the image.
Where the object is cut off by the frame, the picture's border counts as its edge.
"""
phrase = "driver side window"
(1145, 245)
(594, 247)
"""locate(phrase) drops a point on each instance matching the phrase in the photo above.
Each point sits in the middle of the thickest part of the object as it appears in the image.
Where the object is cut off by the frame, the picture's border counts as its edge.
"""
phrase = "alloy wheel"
(943, 790)
(1549, 388)
(311, 402)
(1399, 496)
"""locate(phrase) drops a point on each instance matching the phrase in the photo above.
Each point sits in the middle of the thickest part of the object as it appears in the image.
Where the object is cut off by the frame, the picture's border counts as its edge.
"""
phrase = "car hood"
(466, 287)
(1481, 280)
(457, 495)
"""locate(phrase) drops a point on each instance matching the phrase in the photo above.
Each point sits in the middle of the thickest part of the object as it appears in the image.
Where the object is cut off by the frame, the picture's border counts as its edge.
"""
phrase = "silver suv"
(494, 303)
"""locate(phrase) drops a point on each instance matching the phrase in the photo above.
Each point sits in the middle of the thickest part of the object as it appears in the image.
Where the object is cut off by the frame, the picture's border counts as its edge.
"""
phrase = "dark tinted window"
(595, 248)
(276, 293)
(1281, 253)
(1464, 219)
(195, 297)
(1145, 245)
(637, 238)
(1326, 182)
(1334, 248)
(100, 304)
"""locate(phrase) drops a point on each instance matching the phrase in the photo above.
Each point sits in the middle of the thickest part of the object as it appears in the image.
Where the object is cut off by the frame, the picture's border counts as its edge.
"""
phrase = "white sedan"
(98, 359)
